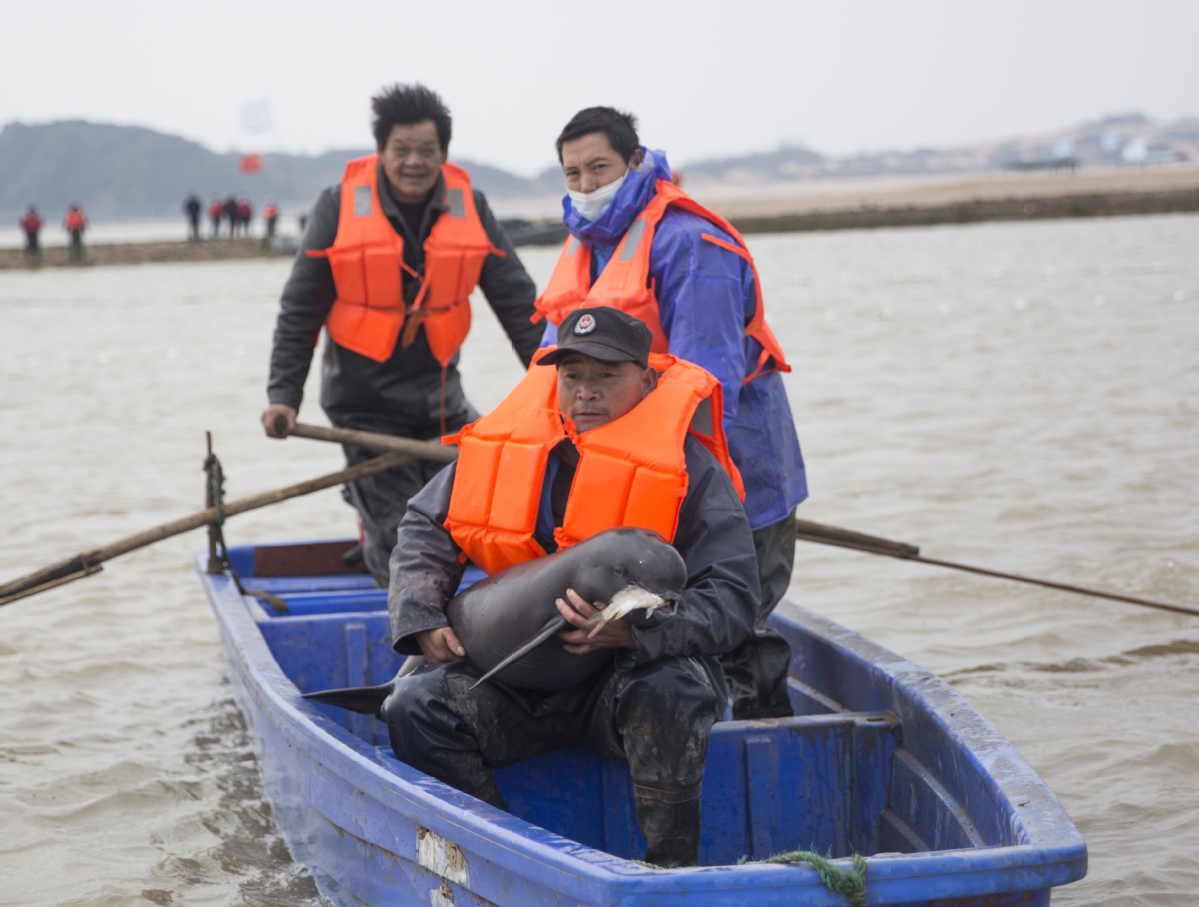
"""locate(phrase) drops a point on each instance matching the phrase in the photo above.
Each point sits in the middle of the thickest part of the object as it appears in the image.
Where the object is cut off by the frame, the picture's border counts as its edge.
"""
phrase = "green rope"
(849, 882)
(645, 865)
(216, 487)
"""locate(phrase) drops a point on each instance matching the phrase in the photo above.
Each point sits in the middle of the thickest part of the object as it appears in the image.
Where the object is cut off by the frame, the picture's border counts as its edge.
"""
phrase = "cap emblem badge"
(585, 325)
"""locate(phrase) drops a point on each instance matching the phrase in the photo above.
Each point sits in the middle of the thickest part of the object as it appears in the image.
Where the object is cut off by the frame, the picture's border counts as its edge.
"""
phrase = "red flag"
(251, 163)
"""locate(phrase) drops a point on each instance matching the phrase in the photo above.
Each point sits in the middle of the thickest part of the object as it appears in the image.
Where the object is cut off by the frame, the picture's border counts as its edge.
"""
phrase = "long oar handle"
(81, 565)
(422, 450)
(846, 538)
(871, 544)
(1067, 587)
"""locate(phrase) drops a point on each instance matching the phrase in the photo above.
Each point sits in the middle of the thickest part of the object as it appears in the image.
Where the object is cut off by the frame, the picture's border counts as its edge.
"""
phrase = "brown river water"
(1024, 396)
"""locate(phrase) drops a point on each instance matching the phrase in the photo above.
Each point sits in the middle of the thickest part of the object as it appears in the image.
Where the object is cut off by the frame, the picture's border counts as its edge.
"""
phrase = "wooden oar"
(858, 541)
(804, 530)
(89, 562)
(423, 450)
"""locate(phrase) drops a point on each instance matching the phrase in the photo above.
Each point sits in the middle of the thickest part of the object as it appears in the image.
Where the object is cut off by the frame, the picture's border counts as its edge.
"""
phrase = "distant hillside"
(124, 172)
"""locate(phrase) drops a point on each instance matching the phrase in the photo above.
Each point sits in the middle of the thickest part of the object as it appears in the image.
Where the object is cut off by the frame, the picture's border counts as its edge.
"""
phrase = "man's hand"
(616, 634)
(440, 646)
(272, 413)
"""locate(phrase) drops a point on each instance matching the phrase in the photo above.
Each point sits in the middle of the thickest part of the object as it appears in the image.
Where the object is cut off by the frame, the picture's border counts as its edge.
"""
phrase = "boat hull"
(883, 759)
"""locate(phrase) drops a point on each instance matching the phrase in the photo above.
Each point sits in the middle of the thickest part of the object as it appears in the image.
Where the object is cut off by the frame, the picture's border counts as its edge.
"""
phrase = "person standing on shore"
(192, 206)
(270, 214)
(216, 208)
(245, 214)
(75, 223)
(639, 243)
(31, 223)
(230, 212)
(387, 265)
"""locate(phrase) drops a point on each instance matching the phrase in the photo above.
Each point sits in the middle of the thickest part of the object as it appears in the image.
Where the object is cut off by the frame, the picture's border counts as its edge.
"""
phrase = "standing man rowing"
(386, 265)
(642, 245)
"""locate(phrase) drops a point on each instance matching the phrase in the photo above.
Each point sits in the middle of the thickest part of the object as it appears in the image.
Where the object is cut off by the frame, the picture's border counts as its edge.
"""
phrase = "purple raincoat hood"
(635, 193)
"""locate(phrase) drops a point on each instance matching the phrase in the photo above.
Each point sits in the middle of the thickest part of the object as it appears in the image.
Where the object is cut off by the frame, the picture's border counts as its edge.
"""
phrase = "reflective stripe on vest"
(624, 283)
(367, 257)
(631, 472)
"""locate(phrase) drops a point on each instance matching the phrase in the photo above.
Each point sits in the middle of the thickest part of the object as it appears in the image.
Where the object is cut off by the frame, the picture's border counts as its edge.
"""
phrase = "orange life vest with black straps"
(76, 220)
(624, 283)
(367, 258)
(631, 472)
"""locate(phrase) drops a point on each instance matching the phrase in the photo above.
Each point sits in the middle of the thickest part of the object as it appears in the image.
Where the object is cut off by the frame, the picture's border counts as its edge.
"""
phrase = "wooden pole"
(804, 530)
(420, 450)
(82, 564)
(871, 544)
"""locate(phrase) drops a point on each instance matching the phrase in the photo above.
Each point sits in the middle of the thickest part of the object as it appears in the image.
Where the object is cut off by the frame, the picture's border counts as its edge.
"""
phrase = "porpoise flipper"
(552, 626)
(365, 700)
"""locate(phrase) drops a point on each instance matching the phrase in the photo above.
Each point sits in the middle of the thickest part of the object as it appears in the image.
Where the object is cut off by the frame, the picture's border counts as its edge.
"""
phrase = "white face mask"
(592, 204)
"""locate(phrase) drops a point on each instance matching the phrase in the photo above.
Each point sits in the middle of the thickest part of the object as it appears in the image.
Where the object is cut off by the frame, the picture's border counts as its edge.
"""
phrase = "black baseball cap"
(603, 333)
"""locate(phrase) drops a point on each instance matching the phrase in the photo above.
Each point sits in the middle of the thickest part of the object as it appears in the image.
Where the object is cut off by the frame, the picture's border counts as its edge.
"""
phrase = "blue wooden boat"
(882, 759)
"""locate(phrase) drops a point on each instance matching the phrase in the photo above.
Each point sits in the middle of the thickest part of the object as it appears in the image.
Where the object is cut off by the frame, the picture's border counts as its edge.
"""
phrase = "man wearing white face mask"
(641, 244)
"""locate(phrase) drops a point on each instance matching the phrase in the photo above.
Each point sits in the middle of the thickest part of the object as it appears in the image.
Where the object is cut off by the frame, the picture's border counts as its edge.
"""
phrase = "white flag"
(255, 117)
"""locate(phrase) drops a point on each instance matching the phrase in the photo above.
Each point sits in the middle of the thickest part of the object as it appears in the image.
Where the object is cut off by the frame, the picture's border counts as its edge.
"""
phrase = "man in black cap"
(665, 677)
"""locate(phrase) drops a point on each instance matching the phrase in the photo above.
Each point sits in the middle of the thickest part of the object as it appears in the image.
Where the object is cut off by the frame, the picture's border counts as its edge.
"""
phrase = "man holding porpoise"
(640, 244)
(654, 702)
(386, 266)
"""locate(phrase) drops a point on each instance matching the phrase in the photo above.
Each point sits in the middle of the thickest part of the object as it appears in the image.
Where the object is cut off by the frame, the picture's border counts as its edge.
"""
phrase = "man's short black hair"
(405, 105)
(619, 127)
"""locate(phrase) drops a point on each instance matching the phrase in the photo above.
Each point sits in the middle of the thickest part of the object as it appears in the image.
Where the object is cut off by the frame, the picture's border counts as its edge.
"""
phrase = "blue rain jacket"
(706, 297)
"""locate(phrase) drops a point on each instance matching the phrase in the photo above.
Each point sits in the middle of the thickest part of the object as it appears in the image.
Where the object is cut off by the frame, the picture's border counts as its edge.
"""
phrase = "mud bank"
(145, 253)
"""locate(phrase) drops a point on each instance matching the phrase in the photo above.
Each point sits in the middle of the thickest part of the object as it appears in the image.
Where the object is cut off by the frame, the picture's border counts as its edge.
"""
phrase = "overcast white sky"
(705, 78)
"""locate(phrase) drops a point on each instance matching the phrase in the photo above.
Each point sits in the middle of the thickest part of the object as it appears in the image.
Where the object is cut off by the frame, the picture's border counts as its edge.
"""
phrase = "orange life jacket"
(631, 472)
(624, 283)
(76, 220)
(270, 211)
(367, 257)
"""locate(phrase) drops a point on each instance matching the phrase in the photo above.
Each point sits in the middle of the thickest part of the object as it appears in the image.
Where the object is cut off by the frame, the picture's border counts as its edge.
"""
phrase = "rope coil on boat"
(218, 551)
(851, 883)
(848, 882)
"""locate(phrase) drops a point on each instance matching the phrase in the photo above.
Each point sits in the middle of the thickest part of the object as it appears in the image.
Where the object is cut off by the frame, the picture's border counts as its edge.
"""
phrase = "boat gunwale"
(594, 876)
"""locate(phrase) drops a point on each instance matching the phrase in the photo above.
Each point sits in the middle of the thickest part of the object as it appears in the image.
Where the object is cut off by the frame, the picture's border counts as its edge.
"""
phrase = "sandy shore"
(823, 196)
(969, 201)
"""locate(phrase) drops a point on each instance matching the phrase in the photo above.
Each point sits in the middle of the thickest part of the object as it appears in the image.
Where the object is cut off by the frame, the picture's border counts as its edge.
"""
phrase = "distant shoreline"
(1099, 195)
(1116, 204)
(1110, 194)
(142, 253)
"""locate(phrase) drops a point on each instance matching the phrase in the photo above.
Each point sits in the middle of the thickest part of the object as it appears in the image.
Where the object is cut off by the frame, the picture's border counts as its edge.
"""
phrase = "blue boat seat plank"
(769, 787)
(334, 594)
(337, 582)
